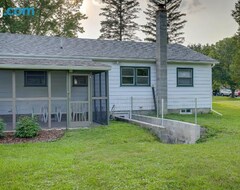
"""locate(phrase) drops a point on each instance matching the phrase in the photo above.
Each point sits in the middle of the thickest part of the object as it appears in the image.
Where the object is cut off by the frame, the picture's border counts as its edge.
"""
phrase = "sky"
(208, 21)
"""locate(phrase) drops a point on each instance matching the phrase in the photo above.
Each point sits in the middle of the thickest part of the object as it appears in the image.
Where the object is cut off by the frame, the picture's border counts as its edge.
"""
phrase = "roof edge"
(193, 62)
(55, 67)
(108, 59)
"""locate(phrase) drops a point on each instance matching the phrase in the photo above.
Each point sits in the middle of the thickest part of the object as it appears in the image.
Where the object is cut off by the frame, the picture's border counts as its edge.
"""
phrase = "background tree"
(210, 51)
(227, 53)
(119, 19)
(204, 49)
(52, 17)
(175, 21)
(236, 15)
(235, 67)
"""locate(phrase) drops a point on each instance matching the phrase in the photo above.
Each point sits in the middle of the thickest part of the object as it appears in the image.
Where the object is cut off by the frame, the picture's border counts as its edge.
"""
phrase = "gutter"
(193, 62)
(213, 65)
(218, 113)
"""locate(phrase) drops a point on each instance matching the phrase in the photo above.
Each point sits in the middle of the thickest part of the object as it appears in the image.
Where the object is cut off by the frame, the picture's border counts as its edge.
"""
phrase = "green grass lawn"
(123, 156)
(224, 98)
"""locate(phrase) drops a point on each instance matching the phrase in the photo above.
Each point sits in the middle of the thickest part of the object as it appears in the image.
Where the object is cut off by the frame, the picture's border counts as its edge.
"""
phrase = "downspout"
(214, 111)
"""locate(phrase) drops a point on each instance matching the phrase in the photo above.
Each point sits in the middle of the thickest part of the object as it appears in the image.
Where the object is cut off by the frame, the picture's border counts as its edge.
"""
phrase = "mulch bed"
(43, 136)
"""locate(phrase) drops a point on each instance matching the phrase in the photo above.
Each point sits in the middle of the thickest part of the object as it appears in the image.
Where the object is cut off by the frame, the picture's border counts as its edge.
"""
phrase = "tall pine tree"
(119, 23)
(236, 15)
(52, 17)
(175, 20)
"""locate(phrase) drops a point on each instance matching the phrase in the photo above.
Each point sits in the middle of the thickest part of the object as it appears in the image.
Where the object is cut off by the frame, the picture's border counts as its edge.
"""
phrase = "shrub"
(2, 126)
(27, 127)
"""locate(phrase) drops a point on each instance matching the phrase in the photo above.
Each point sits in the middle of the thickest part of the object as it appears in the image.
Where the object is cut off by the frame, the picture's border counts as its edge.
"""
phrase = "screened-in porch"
(56, 98)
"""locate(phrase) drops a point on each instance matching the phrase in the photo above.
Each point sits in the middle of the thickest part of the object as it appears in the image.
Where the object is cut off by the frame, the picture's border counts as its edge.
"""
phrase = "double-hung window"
(35, 78)
(127, 76)
(185, 77)
(135, 76)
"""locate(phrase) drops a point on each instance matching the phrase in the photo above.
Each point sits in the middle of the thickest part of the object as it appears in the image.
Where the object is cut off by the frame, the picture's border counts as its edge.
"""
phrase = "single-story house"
(75, 82)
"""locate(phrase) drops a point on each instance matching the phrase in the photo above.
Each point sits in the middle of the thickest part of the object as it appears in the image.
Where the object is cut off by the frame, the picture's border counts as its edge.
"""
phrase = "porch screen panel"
(6, 101)
(59, 84)
(100, 112)
(37, 109)
(100, 99)
(24, 91)
(103, 85)
(58, 99)
(59, 113)
(6, 114)
(5, 84)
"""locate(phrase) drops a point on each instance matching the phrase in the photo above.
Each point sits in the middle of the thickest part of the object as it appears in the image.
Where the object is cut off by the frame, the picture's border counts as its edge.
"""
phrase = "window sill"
(135, 86)
(183, 86)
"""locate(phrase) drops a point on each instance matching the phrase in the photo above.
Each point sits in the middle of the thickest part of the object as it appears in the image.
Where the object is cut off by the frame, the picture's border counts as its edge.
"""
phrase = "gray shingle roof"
(18, 44)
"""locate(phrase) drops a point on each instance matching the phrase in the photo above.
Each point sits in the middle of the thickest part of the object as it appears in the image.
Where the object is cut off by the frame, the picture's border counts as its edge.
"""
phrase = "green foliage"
(119, 20)
(235, 67)
(2, 127)
(216, 85)
(52, 17)
(236, 15)
(175, 21)
(226, 51)
(27, 127)
(204, 49)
